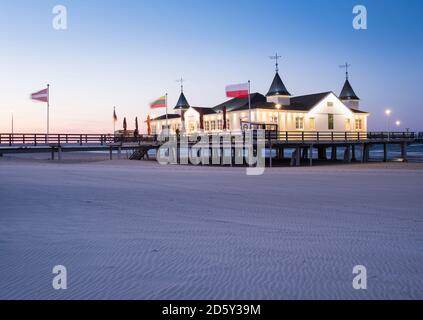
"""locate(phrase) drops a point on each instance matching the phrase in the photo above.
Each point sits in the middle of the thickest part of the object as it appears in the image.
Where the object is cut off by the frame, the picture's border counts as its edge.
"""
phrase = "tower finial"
(276, 57)
(346, 66)
(181, 81)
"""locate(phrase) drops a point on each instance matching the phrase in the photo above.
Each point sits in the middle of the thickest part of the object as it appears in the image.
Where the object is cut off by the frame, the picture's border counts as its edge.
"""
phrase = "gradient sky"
(127, 53)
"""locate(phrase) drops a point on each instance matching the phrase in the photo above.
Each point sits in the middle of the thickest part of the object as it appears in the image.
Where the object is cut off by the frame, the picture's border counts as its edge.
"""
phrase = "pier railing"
(340, 136)
(35, 139)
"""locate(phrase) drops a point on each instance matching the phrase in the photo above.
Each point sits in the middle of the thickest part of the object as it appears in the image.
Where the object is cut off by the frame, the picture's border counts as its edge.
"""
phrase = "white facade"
(329, 115)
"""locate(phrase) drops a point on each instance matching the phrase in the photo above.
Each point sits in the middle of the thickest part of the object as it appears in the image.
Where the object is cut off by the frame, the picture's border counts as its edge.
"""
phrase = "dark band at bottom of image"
(219, 309)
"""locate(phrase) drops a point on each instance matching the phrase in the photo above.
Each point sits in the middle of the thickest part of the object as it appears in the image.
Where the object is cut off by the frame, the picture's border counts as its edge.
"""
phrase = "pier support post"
(353, 153)
(304, 155)
(52, 154)
(311, 155)
(271, 155)
(59, 153)
(347, 154)
(404, 152)
(111, 153)
(385, 152)
(119, 152)
(334, 155)
(322, 153)
(365, 153)
(282, 153)
(298, 157)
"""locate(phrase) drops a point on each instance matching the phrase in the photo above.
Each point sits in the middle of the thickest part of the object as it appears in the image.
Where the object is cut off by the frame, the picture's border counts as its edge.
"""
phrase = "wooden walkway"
(303, 143)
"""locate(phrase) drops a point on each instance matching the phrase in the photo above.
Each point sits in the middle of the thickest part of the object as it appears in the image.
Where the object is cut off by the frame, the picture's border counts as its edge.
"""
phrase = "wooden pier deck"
(303, 144)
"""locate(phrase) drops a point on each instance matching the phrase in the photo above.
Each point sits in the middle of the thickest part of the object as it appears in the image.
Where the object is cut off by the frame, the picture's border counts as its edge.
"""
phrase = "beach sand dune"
(137, 230)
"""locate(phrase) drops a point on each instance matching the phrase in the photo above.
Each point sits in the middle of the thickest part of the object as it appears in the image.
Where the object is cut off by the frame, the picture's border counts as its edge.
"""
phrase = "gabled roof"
(236, 104)
(307, 102)
(182, 102)
(347, 92)
(204, 110)
(169, 116)
(278, 88)
(358, 111)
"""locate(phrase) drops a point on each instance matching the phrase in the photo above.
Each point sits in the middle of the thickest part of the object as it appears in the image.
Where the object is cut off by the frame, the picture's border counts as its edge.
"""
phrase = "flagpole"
(167, 118)
(114, 121)
(249, 102)
(48, 110)
(13, 126)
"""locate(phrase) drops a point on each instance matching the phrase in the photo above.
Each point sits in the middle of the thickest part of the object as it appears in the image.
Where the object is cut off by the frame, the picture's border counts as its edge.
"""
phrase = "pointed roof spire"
(347, 92)
(277, 88)
(182, 102)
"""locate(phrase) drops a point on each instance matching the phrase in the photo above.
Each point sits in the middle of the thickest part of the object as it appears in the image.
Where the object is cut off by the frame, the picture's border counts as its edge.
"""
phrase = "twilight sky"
(129, 52)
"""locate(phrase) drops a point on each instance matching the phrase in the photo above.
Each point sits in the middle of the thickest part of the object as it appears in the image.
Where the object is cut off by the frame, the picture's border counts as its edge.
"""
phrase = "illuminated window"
(219, 124)
(299, 123)
(358, 124)
(312, 124)
(213, 125)
(331, 122)
(228, 125)
(207, 126)
(347, 124)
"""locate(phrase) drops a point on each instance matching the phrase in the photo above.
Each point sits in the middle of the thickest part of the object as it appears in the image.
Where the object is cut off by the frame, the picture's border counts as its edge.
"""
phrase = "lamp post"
(278, 107)
(13, 126)
(388, 114)
(398, 123)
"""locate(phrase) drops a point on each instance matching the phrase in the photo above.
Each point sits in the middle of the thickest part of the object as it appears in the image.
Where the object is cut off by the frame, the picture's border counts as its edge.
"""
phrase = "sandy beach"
(137, 230)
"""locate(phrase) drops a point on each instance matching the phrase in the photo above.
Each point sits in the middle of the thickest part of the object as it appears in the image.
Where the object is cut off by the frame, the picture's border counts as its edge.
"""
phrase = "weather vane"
(346, 66)
(181, 81)
(276, 57)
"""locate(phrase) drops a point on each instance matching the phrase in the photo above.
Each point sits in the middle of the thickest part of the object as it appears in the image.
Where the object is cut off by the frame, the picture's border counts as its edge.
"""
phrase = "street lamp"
(398, 123)
(12, 118)
(388, 114)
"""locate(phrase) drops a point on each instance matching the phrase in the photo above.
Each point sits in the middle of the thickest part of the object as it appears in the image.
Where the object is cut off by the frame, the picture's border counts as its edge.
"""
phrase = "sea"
(414, 153)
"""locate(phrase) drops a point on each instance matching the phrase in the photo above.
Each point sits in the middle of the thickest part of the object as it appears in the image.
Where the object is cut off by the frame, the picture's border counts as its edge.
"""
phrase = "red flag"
(238, 90)
(42, 95)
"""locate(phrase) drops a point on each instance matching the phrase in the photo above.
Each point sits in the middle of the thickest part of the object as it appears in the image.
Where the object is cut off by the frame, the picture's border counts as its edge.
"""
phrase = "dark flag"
(202, 120)
(136, 133)
(149, 125)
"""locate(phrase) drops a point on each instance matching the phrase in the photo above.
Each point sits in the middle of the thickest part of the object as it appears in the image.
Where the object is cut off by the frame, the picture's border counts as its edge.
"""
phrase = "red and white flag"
(241, 90)
(42, 95)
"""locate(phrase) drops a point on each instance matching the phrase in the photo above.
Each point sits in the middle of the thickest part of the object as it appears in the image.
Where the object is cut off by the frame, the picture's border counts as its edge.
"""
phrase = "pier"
(307, 147)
